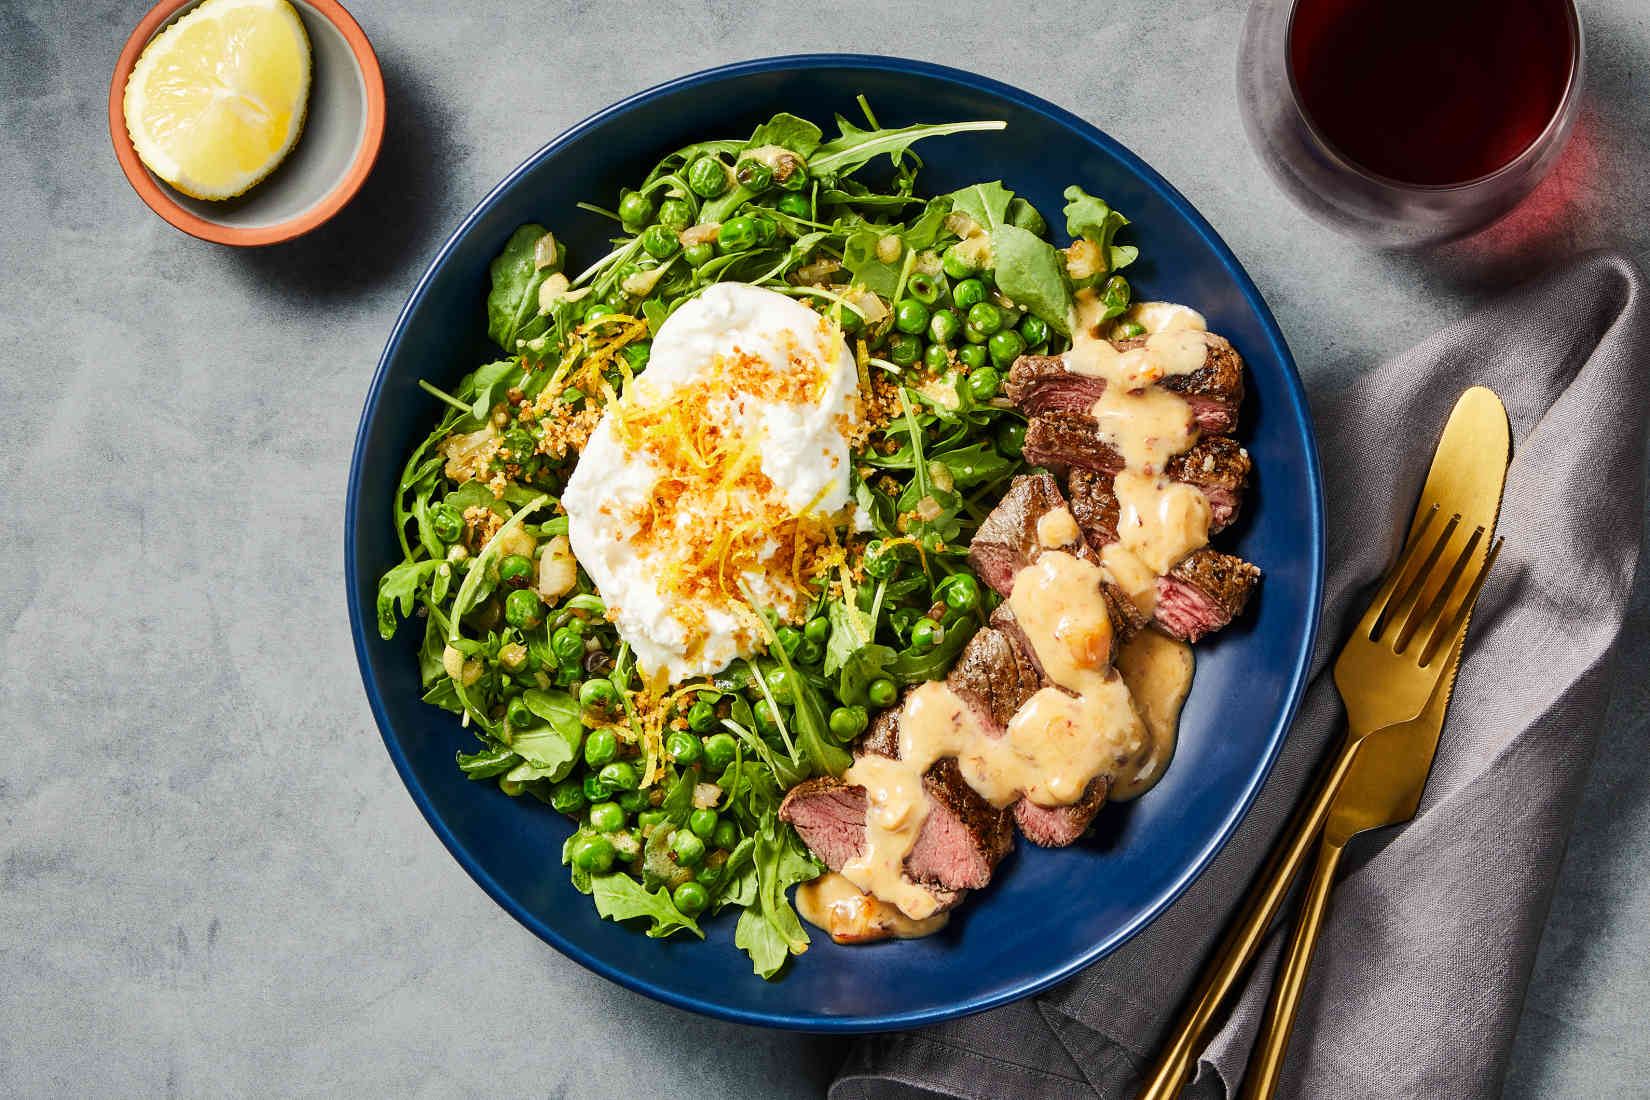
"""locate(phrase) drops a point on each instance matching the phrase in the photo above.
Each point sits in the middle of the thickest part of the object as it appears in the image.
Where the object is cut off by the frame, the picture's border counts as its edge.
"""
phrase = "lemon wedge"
(217, 100)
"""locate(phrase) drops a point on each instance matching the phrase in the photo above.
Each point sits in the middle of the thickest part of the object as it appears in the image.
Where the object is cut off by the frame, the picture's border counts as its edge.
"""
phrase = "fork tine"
(1377, 605)
(1446, 634)
(1422, 621)
(1412, 592)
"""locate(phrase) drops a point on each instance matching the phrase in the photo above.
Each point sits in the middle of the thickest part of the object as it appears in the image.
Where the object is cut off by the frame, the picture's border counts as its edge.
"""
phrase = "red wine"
(1431, 91)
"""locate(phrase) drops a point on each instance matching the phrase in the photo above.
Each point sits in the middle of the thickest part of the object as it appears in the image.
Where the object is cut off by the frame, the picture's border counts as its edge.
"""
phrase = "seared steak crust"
(1204, 592)
(1218, 466)
(1041, 384)
(1007, 541)
(994, 677)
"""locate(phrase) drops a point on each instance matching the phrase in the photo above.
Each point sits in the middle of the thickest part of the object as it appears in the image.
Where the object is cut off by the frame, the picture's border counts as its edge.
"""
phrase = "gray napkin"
(1419, 977)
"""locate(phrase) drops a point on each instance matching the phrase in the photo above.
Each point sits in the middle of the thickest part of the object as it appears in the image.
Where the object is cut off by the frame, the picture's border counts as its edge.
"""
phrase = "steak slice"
(1041, 384)
(960, 843)
(994, 676)
(1007, 541)
(1219, 466)
(1203, 592)
(1058, 826)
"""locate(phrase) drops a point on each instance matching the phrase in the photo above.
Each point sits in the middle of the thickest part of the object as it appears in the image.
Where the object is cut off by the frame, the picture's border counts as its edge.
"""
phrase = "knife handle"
(1238, 949)
(1266, 1060)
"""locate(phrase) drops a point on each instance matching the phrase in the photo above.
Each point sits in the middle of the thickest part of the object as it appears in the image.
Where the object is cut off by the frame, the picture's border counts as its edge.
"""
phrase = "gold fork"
(1384, 679)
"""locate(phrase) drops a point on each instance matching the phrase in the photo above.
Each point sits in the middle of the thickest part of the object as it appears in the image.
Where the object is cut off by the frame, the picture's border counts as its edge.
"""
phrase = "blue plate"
(1050, 913)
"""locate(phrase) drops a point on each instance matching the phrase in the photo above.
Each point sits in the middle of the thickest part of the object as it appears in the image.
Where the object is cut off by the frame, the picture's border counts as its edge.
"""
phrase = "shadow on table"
(392, 223)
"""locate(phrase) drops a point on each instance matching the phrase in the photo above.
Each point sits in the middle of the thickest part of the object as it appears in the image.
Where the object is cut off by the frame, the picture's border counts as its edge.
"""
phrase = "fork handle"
(1238, 949)
(1266, 1060)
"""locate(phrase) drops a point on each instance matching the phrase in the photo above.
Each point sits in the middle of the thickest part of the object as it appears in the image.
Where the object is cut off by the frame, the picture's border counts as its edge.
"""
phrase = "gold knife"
(1390, 771)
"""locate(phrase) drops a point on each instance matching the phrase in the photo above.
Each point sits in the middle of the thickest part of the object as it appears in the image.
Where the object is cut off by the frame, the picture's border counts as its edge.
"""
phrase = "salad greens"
(675, 789)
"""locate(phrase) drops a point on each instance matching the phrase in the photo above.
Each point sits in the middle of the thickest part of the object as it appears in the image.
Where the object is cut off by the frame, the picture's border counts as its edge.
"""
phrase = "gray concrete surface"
(211, 881)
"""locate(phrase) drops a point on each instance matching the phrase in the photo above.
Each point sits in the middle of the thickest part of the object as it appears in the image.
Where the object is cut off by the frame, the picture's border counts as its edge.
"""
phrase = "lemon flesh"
(217, 100)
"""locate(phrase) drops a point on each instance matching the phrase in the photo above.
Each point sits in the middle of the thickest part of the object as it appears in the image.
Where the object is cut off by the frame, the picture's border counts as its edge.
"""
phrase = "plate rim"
(1315, 550)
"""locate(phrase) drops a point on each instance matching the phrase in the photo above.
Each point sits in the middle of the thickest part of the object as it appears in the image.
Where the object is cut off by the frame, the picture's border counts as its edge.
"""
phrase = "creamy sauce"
(1158, 672)
(1092, 719)
(849, 915)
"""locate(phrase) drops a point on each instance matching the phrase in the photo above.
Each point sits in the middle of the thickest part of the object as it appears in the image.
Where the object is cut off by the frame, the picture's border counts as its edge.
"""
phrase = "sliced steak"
(829, 816)
(1041, 384)
(1058, 826)
(1007, 541)
(1203, 592)
(1219, 466)
(994, 676)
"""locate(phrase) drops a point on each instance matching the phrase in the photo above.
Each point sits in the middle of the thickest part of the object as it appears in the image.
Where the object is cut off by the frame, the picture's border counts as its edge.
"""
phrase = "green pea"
(520, 443)
(972, 356)
(944, 326)
(974, 335)
(683, 747)
(699, 253)
(1034, 329)
(635, 210)
(736, 234)
(600, 747)
(648, 819)
(910, 316)
(791, 174)
(660, 242)
(720, 749)
(901, 620)
(726, 836)
(598, 694)
(621, 776)
(675, 214)
(961, 592)
(594, 789)
(523, 609)
(790, 639)
(701, 717)
(817, 630)
(707, 177)
(923, 287)
(568, 796)
(1005, 347)
(1011, 438)
(592, 853)
(811, 652)
(883, 692)
(904, 349)
(566, 645)
(765, 228)
(968, 293)
(634, 801)
(956, 265)
(1116, 292)
(518, 714)
(936, 357)
(926, 634)
(797, 206)
(985, 317)
(447, 522)
(847, 319)
(606, 817)
(847, 722)
(1128, 330)
(767, 719)
(597, 312)
(687, 848)
(703, 823)
(985, 382)
(753, 175)
(690, 898)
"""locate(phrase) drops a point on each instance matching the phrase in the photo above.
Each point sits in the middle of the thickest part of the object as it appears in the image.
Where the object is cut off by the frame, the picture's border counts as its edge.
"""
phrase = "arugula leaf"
(1027, 217)
(1092, 220)
(796, 134)
(859, 668)
(513, 302)
(430, 668)
(855, 147)
(487, 763)
(986, 203)
(401, 586)
(914, 668)
(975, 464)
(859, 256)
(619, 897)
(491, 382)
(581, 877)
(770, 930)
(473, 494)
(1032, 273)
(851, 628)
(678, 801)
(552, 747)
(559, 709)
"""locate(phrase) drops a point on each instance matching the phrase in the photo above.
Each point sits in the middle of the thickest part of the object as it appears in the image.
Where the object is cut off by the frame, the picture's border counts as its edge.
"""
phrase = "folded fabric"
(1420, 974)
